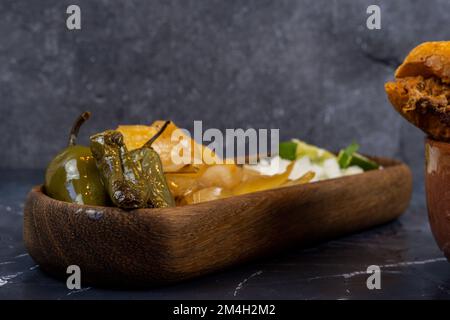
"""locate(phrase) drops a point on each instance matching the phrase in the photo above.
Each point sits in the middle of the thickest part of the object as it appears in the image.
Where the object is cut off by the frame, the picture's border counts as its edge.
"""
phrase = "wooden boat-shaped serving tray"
(158, 246)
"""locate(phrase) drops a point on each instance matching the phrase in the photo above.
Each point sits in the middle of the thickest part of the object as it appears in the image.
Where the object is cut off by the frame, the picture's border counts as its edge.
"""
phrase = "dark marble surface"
(411, 264)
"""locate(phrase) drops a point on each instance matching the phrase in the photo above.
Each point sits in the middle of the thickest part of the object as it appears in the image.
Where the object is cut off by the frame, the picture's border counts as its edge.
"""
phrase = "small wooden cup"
(437, 182)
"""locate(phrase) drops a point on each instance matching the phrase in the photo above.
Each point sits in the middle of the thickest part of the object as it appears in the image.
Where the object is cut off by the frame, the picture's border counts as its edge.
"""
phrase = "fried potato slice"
(225, 176)
(207, 194)
(307, 177)
(256, 182)
(135, 136)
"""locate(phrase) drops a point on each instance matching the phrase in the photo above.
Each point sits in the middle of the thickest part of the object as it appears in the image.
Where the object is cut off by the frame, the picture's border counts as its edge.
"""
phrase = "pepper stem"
(156, 136)
(76, 127)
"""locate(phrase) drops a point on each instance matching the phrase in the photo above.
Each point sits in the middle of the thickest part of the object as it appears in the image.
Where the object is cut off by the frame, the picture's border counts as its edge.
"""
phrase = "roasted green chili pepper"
(121, 176)
(72, 175)
(160, 195)
(133, 179)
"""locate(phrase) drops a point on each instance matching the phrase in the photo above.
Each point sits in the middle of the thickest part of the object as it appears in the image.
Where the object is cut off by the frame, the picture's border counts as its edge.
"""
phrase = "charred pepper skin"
(133, 179)
(72, 175)
(121, 176)
(160, 195)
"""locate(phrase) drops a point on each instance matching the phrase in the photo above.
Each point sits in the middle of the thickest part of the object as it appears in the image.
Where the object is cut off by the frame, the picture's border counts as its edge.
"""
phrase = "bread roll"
(421, 91)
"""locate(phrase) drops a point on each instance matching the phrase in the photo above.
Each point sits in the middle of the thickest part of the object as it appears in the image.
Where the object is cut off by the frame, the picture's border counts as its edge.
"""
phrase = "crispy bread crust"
(427, 59)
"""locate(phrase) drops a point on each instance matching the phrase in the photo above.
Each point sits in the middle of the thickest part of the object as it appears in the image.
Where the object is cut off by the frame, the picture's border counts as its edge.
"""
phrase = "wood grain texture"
(157, 246)
(437, 180)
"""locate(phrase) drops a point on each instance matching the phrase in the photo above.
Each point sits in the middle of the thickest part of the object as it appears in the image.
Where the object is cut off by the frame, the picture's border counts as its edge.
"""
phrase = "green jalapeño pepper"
(72, 175)
(133, 179)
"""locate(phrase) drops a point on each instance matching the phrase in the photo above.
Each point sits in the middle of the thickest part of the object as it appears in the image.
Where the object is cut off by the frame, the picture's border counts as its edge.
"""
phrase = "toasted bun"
(430, 59)
(427, 59)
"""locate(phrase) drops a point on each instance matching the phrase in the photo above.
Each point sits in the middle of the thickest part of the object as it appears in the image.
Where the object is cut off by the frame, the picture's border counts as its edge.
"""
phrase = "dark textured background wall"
(308, 67)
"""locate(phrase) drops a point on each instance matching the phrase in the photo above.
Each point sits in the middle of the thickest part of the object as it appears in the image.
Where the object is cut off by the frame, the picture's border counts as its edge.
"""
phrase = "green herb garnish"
(345, 155)
(288, 150)
(349, 157)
